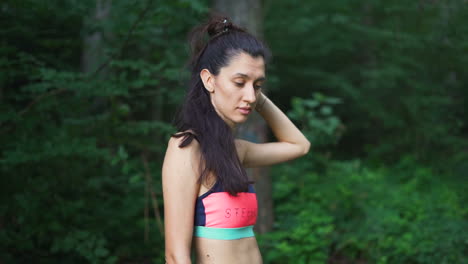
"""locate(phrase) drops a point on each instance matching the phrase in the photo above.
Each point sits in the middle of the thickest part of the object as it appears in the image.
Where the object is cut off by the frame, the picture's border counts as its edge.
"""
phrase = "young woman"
(208, 200)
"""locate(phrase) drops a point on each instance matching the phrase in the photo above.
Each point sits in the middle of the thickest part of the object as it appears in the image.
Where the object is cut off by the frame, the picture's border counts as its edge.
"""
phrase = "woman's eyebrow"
(248, 77)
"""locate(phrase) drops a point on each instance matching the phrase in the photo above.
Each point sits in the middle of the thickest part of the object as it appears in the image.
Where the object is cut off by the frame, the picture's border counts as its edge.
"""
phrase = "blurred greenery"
(379, 88)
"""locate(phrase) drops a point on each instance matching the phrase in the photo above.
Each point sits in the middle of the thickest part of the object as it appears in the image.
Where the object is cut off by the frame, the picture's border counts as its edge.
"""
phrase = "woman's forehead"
(245, 66)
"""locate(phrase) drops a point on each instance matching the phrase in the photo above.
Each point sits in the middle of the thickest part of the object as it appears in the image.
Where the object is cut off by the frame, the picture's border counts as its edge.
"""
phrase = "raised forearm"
(283, 128)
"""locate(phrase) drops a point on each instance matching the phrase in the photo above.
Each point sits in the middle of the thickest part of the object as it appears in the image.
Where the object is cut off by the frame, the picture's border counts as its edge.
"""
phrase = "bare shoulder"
(181, 163)
(175, 149)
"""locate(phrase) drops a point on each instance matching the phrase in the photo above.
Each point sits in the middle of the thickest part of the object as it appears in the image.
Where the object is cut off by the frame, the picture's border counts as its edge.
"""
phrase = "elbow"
(306, 147)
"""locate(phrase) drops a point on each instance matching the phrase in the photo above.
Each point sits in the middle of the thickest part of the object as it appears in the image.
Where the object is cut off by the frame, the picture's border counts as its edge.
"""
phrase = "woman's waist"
(243, 250)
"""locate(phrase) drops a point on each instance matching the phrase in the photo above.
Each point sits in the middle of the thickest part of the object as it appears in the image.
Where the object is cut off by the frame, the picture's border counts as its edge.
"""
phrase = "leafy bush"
(303, 227)
(355, 213)
(319, 122)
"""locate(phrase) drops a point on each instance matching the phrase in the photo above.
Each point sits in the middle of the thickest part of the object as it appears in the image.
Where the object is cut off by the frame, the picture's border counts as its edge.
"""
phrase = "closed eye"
(242, 84)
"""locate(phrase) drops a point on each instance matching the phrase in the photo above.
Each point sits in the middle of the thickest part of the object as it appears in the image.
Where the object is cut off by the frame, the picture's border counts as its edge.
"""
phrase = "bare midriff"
(213, 251)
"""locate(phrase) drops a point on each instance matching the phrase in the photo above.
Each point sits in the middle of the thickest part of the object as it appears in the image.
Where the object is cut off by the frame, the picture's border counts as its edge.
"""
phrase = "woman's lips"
(245, 111)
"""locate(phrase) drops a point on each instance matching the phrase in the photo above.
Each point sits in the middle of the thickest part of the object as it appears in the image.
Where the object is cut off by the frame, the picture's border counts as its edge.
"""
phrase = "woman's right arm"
(180, 190)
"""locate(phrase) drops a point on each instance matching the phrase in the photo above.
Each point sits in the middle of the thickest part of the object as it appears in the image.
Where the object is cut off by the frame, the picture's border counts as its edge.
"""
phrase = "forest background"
(88, 90)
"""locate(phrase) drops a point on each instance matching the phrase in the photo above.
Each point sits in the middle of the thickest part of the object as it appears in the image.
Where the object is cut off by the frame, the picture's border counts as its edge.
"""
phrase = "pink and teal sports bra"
(219, 215)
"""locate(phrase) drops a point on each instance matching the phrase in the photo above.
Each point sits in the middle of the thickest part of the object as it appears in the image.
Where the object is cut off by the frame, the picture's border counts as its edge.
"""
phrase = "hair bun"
(219, 25)
(201, 35)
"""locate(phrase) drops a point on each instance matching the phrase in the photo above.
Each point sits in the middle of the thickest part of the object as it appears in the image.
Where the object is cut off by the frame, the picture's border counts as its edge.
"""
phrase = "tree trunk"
(248, 14)
(93, 50)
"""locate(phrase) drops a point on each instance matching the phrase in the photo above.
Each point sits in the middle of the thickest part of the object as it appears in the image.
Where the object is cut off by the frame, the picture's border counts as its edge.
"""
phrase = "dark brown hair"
(213, 44)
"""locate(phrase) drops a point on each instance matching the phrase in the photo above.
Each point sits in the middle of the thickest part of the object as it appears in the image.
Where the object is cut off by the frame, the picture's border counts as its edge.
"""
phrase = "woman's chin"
(242, 119)
(237, 120)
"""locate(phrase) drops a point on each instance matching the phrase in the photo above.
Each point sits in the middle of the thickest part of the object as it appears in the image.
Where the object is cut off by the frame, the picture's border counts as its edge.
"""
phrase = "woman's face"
(235, 89)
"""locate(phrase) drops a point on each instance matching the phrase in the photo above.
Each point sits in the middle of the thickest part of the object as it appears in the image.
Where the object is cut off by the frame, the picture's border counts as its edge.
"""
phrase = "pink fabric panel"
(223, 210)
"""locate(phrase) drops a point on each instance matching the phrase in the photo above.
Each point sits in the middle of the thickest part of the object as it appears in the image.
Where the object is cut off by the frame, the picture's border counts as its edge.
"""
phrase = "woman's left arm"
(291, 142)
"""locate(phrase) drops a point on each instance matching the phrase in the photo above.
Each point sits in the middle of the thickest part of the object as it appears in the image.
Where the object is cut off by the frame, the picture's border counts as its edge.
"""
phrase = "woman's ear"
(207, 79)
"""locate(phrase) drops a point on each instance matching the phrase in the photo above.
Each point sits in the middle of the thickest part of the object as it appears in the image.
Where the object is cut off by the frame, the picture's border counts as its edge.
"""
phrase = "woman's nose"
(250, 95)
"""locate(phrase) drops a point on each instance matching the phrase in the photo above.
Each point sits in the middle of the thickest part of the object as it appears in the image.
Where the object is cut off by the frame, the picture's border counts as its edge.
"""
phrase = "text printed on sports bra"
(240, 213)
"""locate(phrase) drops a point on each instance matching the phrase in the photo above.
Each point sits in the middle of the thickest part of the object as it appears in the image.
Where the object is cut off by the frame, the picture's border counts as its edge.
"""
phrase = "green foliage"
(318, 120)
(83, 142)
(354, 213)
(330, 211)
(398, 68)
(303, 226)
(85, 244)
(83, 137)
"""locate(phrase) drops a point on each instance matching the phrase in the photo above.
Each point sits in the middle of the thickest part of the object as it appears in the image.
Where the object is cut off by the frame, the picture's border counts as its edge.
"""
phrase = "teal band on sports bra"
(223, 233)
